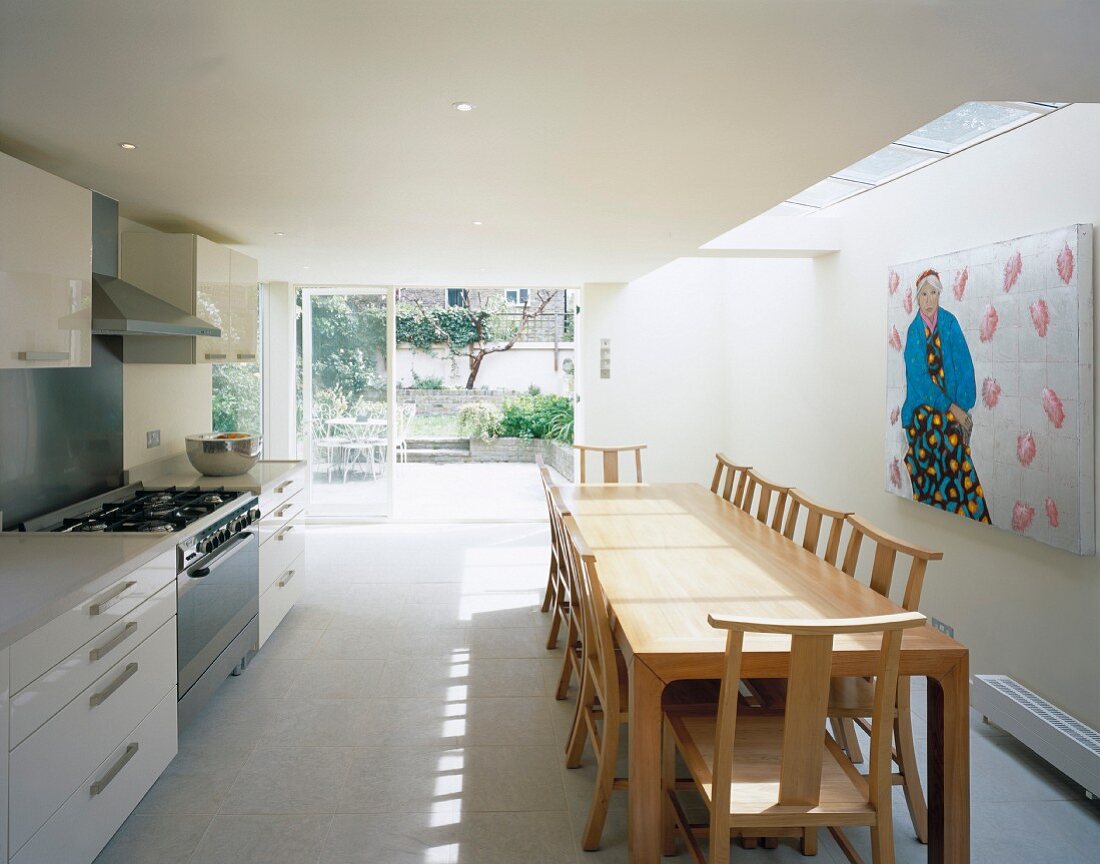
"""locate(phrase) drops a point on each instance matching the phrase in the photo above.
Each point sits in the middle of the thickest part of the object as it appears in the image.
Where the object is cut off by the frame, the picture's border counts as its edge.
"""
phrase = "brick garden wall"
(557, 456)
(449, 402)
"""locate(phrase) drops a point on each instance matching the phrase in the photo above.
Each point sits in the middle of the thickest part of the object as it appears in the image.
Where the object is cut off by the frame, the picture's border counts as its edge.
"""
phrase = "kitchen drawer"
(280, 596)
(286, 544)
(82, 825)
(273, 524)
(41, 699)
(44, 769)
(51, 643)
(282, 492)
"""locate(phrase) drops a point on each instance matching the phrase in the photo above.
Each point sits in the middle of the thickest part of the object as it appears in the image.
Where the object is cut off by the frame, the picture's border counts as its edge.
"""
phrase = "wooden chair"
(733, 487)
(817, 516)
(764, 499)
(851, 699)
(573, 657)
(557, 588)
(602, 706)
(761, 774)
(611, 460)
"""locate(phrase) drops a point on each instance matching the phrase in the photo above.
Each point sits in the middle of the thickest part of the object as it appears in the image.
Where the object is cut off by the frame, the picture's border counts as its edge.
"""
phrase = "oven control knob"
(206, 546)
(223, 535)
(254, 515)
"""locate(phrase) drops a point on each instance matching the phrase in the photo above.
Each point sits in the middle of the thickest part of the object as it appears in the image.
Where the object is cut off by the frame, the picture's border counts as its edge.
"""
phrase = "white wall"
(801, 352)
(524, 364)
(172, 398)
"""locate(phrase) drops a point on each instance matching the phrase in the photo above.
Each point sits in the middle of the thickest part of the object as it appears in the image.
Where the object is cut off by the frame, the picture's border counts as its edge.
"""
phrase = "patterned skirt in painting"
(940, 465)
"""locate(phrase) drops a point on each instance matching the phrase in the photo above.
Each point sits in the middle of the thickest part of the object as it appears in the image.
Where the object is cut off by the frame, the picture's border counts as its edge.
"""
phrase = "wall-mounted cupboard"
(45, 269)
(218, 284)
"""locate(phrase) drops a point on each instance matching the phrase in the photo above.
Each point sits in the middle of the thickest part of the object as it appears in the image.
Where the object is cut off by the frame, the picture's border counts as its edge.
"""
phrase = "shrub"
(427, 383)
(542, 416)
(480, 420)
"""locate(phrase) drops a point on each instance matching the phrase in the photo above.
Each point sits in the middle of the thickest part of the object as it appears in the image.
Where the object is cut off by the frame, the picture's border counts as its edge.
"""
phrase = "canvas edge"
(1086, 421)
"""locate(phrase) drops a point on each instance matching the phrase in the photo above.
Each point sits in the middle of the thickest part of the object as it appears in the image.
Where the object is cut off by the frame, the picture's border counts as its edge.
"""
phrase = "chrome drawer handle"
(281, 488)
(282, 534)
(44, 355)
(111, 598)
(216, 356)
(289, 575)
(105, 781)
(103, 650)
(279, 513)
(246, 356)
(105, 694)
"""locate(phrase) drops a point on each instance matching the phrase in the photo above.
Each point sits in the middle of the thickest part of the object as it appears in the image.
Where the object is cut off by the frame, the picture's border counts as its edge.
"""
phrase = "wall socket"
(943, 628)
(152, 439)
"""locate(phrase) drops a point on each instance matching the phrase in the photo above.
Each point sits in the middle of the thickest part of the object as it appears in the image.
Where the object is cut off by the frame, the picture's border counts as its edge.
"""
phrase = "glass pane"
(237, 390)
(348, 408)
(886, 163)
(958, 127)
(827, 192)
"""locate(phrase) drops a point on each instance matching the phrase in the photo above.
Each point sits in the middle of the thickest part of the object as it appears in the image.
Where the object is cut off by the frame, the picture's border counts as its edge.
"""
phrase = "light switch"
(605, 358)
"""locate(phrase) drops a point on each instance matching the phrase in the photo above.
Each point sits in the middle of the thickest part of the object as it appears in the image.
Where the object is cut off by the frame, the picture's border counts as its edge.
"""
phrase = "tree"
(492, 328)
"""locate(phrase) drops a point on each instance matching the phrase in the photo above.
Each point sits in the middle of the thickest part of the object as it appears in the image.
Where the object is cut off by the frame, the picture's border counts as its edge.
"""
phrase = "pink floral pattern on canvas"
(1022, 514)
(958, 287)
(895, 339)
(989, 324)
(893, 282)
(908, 301)
(991, 392)
(1025, 448)
(1065, 264)
(895, 473)
(1040, 316)
(1013, 266)
(1052, 404)
(1052, 512)
(894, 415)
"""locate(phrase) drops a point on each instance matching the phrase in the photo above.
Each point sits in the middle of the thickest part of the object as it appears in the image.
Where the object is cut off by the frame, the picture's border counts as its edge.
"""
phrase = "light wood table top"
(670, 554)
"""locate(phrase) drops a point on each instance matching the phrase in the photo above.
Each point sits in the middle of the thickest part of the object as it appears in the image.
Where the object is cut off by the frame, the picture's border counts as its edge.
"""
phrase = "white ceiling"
(609, 137)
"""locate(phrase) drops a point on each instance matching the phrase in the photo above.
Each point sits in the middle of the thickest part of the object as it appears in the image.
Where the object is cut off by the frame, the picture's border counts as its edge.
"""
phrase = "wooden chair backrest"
(558, 510)
(887, 549)
(807, 703)
(732, 488)
(765, 500)
(611, 460)
(817, 517)
(597, 641)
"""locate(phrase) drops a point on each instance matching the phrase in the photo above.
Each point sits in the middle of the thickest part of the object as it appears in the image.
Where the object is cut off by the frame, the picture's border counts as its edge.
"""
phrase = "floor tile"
(325, 678)
(147, 838)
(262, 840)
(197, 780)
(384, 839)
(288, 780)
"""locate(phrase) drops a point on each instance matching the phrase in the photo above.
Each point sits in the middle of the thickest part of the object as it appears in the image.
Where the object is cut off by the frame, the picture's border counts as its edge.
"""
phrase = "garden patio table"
(670, 554)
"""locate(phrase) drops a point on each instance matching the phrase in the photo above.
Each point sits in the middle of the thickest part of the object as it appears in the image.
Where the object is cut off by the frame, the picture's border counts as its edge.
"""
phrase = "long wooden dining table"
(669, 554)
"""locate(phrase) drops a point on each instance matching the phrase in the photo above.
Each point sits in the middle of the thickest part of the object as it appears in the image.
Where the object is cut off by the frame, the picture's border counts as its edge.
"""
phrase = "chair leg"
(555, 622)
(809, 841)
(579, 733)
(882, 844)
(569, 657)
(551, 585)
(668, 783)
(605, 780)
(907, 756)
(852, 748)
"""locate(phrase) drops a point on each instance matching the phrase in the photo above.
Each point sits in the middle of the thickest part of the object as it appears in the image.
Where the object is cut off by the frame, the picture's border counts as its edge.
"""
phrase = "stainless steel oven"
(217, 601)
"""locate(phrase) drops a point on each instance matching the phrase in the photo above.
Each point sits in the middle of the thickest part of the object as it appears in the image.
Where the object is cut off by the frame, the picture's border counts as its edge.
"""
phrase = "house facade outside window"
(517, 297)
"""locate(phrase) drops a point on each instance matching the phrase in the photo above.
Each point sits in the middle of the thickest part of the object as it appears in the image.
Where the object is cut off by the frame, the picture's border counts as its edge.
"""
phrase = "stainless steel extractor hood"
(122, 309)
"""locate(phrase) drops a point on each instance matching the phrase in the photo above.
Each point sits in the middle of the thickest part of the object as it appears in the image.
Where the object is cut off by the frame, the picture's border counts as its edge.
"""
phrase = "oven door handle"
(221, 556)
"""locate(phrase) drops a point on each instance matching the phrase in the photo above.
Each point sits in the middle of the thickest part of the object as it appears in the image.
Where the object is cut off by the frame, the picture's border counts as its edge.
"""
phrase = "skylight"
(962, 127)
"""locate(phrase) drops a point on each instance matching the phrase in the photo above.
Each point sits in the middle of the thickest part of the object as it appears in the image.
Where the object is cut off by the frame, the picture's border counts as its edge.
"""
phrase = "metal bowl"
(223, 457)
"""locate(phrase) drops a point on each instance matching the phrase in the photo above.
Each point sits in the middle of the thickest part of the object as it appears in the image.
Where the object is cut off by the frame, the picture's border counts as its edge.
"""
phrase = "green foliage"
(533, 390)
(480, 420)
(422, 329)
(428, 383)
(349, 337)
(543, 416)
(236, 391)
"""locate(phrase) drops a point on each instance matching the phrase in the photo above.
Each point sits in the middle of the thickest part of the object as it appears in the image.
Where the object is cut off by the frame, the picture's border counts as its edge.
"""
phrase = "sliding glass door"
(347, 400)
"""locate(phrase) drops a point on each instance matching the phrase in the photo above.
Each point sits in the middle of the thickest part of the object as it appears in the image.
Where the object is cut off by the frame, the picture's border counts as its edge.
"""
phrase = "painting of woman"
(940, 394)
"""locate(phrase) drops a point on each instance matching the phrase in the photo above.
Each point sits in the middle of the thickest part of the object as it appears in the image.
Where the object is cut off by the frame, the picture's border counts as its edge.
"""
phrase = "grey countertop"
(177, 471)
(43, 575)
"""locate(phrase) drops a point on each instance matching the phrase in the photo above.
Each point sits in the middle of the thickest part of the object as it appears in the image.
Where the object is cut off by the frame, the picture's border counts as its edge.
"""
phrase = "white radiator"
(1062, 740)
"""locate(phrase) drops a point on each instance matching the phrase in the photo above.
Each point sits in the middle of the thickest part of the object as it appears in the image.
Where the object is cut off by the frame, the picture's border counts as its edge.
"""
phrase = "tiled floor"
(402, 715)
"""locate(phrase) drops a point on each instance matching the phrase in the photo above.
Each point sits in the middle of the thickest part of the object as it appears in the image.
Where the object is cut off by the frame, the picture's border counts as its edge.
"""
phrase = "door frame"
(389, 292)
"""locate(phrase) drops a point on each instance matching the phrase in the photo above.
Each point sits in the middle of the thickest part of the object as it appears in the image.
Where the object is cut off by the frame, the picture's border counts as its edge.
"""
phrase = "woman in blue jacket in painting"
(940, 393)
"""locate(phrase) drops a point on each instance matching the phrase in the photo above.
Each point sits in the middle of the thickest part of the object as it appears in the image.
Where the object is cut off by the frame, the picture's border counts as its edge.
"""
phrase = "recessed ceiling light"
(476, 222)
(463, 106)
(305, 266)
(280, 234)
(126, 145)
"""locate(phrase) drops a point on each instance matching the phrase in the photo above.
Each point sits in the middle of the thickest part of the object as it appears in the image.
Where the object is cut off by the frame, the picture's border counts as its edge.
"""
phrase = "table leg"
(644, 794)
(949, 766)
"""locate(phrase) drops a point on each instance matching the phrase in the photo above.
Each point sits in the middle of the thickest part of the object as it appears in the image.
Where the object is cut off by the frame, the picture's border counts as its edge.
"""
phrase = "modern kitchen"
(481, 432)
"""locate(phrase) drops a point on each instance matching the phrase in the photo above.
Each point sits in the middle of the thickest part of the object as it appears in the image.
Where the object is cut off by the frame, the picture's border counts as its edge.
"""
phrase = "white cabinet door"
(244, 306)
(212, 299)
(45, 269)
(4, 768)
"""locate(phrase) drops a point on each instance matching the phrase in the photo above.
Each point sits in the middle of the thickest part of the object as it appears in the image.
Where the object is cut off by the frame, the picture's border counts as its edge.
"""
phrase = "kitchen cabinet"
(218, 284)
(45, 269)
(90, 720)
(282, 551)
(4, 770)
